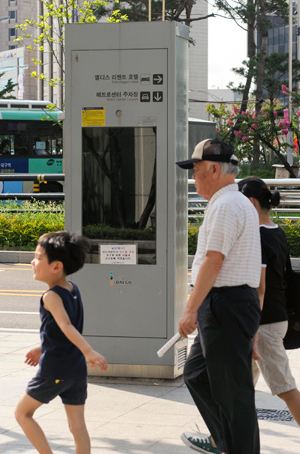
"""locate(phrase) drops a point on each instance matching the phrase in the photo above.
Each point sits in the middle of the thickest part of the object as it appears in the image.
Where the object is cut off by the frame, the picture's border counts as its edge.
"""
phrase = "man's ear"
(215, 168)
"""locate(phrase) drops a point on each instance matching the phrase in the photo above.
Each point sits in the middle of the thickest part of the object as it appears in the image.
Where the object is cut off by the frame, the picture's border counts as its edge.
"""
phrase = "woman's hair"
(256, 188)
(68, 248)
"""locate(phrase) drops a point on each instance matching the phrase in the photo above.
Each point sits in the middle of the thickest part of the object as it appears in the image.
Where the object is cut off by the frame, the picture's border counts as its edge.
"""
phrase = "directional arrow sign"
(157, 96)
(158, 79)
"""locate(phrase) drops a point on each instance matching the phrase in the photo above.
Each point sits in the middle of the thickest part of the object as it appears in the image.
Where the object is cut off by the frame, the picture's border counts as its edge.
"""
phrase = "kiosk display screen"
(119, 194)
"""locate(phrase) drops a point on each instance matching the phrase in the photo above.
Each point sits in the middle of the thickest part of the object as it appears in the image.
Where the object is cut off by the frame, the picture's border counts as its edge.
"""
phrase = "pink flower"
(254, 126)
(284, 92)
(284, 88)
(298, 112)
(285, 131)
(284, 123)
(238, 133)
(245, 138)
(254, 117)
(236, 109)
(217, 130)
(266, 116)
(248, 112)
(230, 123)
(243, 113)
(275, 113)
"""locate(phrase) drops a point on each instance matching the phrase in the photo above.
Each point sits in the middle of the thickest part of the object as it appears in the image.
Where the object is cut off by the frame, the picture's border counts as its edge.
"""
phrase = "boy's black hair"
(68, 248)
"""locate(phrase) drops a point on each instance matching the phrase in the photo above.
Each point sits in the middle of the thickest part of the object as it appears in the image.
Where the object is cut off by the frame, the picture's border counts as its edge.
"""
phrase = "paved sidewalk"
(124, 416)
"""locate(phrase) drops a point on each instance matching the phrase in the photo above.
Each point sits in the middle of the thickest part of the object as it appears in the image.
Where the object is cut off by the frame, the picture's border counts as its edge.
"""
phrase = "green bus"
(30, 142)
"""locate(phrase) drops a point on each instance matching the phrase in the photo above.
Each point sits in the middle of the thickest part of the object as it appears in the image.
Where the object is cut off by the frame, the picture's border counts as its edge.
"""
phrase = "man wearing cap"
(223, 306)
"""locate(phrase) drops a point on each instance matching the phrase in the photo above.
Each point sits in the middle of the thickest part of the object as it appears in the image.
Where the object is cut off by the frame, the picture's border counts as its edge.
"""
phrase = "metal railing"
(43, 178)
(289, 189)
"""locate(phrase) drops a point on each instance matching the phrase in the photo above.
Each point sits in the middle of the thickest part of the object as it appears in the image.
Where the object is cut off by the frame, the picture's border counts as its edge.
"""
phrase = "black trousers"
(218, 371)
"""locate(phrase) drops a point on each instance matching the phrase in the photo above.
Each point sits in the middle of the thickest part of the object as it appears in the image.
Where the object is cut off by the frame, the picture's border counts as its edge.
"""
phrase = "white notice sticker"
(121, 254)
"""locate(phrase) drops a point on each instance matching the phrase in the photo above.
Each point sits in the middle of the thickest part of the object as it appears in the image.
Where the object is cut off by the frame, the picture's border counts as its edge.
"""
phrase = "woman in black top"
(273, 362)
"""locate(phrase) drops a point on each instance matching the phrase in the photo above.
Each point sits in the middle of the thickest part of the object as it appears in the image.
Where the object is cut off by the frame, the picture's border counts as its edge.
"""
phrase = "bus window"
(21, 144)
(41, 145)
(57, 146)
(45, 145)
(5, 145)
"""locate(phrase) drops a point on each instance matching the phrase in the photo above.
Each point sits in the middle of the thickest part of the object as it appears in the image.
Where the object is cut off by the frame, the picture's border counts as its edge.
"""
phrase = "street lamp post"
(290, 133)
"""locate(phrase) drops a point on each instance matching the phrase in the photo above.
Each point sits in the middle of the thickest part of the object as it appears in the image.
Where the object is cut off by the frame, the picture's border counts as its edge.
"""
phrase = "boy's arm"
(53, 303)
(33, 356)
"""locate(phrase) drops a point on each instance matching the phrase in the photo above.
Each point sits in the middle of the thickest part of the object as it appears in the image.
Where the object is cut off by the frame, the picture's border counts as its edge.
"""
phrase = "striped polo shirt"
(231, 227)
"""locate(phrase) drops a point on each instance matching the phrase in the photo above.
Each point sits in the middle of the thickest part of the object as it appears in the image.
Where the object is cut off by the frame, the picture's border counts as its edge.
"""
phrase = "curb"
(16, 256)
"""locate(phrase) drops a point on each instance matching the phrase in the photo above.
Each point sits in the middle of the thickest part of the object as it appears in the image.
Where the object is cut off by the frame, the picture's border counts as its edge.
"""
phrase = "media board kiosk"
(125, 127)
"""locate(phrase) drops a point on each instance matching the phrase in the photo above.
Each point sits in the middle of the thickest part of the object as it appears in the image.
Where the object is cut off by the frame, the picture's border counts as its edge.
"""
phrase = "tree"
(268, 127)
(252, 16)
(50, 29)
(137, 10)
(9, 87)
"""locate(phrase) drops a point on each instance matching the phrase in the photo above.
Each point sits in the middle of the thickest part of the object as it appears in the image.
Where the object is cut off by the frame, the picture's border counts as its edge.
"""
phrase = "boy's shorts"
(274, 361)
(71, 391)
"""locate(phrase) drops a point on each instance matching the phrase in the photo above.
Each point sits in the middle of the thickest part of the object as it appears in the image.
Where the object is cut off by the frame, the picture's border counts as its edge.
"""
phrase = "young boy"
(63, 353)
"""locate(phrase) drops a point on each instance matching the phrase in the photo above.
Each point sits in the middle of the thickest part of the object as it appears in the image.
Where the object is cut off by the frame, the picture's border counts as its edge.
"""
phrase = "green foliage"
(268, 128)
(292, 231)
(193, 230)
(21, 230)
(100, 231)
(263, 171)
(9, 87)
(49, 30)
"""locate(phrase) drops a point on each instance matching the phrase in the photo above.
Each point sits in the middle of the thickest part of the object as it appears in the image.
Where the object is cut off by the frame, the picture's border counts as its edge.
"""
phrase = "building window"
(12, 2)
(12, 33)
(12, 46)
(13, 15)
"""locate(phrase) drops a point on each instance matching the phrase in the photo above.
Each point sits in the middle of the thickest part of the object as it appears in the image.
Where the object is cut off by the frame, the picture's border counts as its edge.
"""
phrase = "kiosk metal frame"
(126, 125)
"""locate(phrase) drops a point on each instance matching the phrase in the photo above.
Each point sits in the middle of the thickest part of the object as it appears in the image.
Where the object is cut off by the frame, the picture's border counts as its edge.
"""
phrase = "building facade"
(15, 59)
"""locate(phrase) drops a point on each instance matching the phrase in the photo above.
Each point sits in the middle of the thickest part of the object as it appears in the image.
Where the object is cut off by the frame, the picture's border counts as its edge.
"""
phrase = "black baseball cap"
(210, 150)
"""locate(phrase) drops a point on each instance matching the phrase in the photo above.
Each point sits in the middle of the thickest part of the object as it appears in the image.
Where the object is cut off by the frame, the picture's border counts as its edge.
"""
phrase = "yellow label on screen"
(93, 116)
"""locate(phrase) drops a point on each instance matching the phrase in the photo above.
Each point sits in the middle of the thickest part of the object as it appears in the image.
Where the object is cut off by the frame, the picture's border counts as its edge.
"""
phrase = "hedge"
(21, 230)
(291, 229)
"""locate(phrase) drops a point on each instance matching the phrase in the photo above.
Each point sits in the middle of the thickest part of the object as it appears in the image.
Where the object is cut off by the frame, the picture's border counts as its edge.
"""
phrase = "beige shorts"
(274, 362)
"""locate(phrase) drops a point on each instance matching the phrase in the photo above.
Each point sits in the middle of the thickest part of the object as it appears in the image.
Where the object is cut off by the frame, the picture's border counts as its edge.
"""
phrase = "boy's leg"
(75, 415)
(24, 415)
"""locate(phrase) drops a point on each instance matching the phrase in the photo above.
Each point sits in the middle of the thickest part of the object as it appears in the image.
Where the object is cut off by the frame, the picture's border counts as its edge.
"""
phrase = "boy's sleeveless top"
(60, 358)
